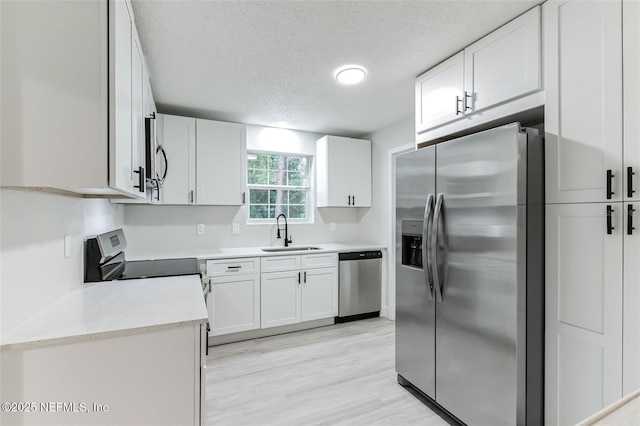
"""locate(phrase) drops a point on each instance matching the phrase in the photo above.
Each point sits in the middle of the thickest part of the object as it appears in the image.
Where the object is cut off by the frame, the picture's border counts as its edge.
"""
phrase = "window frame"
(308, 188)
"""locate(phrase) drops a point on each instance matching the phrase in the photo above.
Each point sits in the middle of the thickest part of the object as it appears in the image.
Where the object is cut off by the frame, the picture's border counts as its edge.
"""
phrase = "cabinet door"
(343, 172)
(280, 298)
(583, 110)
(631, 309)
(137, 117)
(121, 162)
(631, 73)
(319, 293)
(439, 94)
(583, 309)
(235, 304)
(505, 64)
(178, 137)
(220, 162)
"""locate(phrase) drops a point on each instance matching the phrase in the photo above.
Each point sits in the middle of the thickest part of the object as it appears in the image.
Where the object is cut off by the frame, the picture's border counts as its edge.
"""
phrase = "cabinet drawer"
(220, 267)
(280, 263)
(323, 260)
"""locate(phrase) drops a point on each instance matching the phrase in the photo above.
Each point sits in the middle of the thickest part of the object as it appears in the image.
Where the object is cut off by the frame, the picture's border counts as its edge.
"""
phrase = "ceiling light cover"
(351, 74)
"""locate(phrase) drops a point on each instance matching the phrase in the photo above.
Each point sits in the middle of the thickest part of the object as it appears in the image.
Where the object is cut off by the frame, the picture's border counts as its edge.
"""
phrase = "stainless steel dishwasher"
(360, 277)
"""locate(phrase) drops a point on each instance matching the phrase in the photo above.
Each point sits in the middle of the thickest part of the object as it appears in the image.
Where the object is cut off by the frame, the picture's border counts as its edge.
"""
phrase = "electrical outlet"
(332, 226)
(235, 228)
(67, 246)
(200, 229)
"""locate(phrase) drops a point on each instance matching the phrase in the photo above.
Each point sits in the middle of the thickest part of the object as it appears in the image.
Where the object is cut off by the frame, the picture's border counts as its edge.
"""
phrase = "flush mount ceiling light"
(351, 74)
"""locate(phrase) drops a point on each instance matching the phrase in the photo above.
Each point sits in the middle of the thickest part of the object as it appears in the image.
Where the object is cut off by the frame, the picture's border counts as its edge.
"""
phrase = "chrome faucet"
(287, 239)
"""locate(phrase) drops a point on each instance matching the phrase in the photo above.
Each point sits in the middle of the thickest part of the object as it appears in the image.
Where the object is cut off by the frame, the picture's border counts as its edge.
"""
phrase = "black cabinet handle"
(349, 202)
(305, 277)
(459, 101)
(609, 183)
(630, 174)
(353, 200)
(610, 227)
(630, 213)
(141, 178)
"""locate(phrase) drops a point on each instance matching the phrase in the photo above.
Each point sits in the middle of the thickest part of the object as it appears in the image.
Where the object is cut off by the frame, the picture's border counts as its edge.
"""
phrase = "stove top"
(159, 268)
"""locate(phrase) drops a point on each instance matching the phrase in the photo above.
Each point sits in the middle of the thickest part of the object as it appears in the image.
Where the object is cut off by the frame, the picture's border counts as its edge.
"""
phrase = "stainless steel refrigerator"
(470, 275)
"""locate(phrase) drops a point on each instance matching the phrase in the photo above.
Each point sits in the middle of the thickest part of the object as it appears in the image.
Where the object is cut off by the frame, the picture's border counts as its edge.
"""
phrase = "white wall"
(33, 269)
(162, 228)
(375, 224)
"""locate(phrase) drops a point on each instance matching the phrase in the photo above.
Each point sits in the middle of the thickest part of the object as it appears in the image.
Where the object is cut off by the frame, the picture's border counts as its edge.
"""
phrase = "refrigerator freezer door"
(415, 307)
(478, 178)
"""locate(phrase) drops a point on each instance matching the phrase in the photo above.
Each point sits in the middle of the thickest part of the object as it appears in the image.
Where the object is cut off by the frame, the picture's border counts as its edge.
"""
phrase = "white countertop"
(625, 412)
(113, 308)
(226, 253)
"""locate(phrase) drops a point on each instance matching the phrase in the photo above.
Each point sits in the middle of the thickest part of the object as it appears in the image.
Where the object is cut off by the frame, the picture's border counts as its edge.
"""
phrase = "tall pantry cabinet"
(592, 116)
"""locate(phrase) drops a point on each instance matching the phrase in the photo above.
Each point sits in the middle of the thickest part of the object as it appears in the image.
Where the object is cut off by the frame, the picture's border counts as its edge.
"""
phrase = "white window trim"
(311, 195)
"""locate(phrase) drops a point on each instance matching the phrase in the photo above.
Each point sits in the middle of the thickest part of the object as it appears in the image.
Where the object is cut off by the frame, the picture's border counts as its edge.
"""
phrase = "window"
(278, 183)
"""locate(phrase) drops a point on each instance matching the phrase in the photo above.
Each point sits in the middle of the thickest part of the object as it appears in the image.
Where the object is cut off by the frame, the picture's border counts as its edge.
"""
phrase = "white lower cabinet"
(280, 298)
(298, 295)
(584, 309)
(234, 304)
(319, 295)
(106, 381)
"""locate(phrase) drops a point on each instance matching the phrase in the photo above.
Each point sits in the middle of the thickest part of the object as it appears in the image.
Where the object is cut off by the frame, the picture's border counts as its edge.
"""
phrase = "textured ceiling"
(272, 63)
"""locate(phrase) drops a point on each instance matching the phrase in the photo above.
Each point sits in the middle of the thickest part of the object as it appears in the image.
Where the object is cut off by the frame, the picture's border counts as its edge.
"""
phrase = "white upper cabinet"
(205, 161)
(220, 164)
(496, 77)
(583, 112)
(343, 172)
(67, 97)
(440, 94)
(178, 137)
(505, 64)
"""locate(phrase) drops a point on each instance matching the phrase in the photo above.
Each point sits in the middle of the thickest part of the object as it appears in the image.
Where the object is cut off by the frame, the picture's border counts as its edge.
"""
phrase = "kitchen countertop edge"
(112, 308)
(242, 252)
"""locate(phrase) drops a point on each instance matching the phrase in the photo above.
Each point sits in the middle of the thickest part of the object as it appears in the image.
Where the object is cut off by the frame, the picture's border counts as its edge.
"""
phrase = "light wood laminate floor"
(335, 375)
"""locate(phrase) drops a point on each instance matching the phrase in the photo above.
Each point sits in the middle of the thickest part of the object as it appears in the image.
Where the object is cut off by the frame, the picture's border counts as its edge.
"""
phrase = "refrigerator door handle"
(427, 224)
(434, 247)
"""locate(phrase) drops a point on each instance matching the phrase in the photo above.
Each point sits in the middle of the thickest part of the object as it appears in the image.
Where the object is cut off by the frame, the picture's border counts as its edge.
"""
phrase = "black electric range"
(105, 261)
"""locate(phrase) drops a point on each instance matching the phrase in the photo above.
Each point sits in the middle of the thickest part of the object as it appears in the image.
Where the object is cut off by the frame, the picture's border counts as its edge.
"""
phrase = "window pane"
(257, 211)
(272, 212)
(257, 177)
(297, 212)
(296, 164)
(296, 179)
(277, 162)
(277, 178)
(258, 196)
(297, 197)
(272, 196)
(261, 161)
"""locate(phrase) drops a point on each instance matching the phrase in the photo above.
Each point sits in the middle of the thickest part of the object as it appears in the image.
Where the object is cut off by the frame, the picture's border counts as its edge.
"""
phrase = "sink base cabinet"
(304, 288)
(280, 301)
(115, 380)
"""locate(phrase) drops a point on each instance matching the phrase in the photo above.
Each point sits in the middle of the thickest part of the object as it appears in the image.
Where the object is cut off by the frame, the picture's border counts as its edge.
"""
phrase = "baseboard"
(266, 332)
